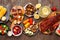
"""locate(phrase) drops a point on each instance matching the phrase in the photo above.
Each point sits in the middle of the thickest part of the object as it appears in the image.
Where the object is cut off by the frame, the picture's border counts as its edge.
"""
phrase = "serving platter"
(7, 13)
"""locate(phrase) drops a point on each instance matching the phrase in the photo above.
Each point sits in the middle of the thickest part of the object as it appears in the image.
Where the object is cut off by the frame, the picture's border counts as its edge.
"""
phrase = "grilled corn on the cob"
(2, 11)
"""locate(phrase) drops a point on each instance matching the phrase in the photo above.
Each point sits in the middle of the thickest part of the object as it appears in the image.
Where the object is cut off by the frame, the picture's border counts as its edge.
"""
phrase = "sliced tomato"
(0, 27)
(3, 32)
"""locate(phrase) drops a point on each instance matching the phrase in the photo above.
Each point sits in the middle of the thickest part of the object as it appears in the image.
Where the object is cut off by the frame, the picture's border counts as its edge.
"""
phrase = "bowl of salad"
(3, 28)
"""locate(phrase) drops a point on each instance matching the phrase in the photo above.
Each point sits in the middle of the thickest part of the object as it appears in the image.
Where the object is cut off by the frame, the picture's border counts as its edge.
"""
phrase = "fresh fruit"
(17, 30)
(58, 31)
(14, 30)
(36, 16)
(54, 9)
(38, 6)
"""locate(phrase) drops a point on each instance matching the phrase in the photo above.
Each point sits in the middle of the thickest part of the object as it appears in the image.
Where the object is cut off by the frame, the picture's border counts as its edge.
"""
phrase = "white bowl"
(19, 33)
(25, 9)
(44, 15)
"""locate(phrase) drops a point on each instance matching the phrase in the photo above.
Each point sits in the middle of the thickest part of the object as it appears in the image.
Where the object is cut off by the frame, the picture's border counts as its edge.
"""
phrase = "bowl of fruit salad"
(3, 28)
(17, 30)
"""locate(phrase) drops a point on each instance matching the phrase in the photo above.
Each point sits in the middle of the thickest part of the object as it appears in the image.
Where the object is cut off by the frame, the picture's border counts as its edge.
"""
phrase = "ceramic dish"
(17, 30)
(44, 11)
(5, 14)
(17, 14)
(29, 9)
(3, 28)
(30, 28)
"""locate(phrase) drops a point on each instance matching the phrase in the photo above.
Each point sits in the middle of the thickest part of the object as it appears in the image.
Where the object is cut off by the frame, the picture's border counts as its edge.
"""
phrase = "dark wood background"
(39, 35)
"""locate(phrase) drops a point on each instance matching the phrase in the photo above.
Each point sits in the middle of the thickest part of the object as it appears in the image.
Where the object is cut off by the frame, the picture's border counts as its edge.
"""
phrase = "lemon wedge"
(36, 16)
(38, 6)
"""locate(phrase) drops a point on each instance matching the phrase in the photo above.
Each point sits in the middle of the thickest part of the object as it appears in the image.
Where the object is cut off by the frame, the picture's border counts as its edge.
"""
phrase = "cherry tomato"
(0, 27)
(54, 9)
(2, 32)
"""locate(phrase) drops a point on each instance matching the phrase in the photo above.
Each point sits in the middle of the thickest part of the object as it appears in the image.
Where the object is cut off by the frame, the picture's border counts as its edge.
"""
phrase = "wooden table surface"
(39, 35)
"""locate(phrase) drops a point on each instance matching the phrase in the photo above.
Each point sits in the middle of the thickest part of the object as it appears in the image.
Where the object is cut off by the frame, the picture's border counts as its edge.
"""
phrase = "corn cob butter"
(2, 11)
